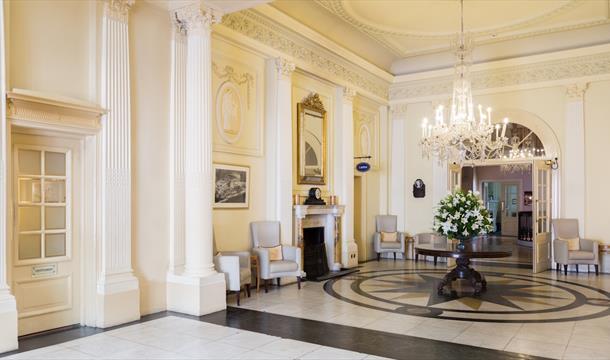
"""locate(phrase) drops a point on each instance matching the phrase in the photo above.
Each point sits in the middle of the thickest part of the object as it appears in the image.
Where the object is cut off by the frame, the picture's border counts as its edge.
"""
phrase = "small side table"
(256, 268)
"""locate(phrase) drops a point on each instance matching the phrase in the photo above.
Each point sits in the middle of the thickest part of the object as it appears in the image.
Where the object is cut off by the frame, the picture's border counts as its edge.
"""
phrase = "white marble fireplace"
(326, 216)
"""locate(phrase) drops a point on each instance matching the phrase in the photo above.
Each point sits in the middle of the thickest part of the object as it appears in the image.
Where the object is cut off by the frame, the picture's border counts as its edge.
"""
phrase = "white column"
(177, 148)
(199, 289)
(278, 139)
(384, 159)
(8, 306)
(573, 161)
(117, 288)
(343, 152)
(398, 186)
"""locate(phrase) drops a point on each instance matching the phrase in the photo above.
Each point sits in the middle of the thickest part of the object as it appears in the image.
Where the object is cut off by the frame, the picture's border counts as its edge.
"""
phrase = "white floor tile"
(289, 348)
(249, 340)
(333, 353)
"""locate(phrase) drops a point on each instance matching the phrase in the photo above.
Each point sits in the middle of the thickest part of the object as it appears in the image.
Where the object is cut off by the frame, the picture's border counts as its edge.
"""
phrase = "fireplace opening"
(314, 253)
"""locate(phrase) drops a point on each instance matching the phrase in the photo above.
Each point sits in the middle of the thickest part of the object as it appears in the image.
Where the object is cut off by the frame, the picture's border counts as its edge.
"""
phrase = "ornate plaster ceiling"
(405, 29)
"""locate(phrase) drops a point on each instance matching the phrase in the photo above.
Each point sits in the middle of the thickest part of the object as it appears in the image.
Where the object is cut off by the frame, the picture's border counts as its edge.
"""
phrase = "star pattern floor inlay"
(508, 297)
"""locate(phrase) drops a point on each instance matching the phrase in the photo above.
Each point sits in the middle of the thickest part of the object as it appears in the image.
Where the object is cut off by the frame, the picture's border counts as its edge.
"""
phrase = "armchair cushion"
(580, 255)
(390, 245)
(275, 253)
(573, 243)
(389, 236)
(282, 266)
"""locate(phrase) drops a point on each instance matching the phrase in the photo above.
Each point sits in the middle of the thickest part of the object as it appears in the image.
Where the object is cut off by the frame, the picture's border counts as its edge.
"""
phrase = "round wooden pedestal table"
(473, 249)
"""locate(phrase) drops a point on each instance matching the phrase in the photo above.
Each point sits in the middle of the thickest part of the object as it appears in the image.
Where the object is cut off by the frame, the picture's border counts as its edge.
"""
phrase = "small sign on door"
(44, 270)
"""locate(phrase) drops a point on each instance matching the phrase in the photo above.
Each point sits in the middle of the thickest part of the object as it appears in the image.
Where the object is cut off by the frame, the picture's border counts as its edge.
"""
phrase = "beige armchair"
(236, 267)
(388, 224)
(266, 235)
(428, 238)
(587, 253)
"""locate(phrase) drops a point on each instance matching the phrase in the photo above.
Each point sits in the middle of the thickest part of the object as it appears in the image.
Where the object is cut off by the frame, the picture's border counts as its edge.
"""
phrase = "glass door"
(542, 216)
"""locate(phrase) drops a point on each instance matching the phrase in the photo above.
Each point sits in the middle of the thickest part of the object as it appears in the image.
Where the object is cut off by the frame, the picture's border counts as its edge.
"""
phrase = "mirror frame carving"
(313, 106)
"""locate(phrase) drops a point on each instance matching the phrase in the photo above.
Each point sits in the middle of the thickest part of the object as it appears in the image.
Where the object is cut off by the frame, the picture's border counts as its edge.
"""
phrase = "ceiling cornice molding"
(390, 38)
(351, 69)
(508, 74)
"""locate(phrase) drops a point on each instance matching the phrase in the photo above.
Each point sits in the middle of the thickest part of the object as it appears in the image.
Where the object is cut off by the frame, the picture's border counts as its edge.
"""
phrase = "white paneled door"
(45, 237)
(542, 216)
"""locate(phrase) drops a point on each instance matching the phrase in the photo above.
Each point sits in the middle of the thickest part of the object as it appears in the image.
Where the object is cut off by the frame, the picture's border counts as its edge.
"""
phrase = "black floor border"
(350, 338)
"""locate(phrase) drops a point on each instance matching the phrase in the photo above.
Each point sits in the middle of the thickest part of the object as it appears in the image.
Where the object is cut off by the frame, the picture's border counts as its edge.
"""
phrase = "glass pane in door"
(55, 217)
(29, 246)
(29, 162)
(29, 218)
(55, 245)
(54, 163)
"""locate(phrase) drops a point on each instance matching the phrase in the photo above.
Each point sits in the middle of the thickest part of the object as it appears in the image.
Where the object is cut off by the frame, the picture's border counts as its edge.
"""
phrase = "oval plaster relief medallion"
(229, 110)
(365, 141)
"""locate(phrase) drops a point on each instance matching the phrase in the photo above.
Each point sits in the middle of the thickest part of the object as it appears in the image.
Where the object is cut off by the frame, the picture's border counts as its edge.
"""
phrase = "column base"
(8, 319)
(349, 256)
(118, 300)
(196, 295)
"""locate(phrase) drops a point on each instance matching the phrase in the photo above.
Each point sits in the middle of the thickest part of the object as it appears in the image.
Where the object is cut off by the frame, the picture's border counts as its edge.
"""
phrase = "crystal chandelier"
(519, 156)
(464, 137)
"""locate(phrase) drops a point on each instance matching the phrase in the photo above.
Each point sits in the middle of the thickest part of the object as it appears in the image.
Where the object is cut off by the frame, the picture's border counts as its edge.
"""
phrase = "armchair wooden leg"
(248, 289)
(278, 282)
(596, 269)
(394, 256)
(557, 267)
(266, 285)
(565, 269)
(435, 259)
(299, 282)
(378, 256)
(237, 293)
(416, 257)
(576, 268)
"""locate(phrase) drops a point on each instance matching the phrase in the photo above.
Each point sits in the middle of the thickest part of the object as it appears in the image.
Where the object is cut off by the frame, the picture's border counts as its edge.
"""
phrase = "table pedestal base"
(465, 272)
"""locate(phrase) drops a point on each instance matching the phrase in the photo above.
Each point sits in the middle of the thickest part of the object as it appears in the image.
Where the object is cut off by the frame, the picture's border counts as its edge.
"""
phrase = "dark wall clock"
(419, 189)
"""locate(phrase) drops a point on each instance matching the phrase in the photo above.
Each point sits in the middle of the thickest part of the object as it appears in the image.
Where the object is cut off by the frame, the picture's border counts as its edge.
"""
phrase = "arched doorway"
(521, 189)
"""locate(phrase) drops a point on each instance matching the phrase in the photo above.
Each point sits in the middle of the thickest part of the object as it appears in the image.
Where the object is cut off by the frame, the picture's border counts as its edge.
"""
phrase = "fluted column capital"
(576, 92)
(284, 67)
(195, 17)
(349, 94)
(118, 9)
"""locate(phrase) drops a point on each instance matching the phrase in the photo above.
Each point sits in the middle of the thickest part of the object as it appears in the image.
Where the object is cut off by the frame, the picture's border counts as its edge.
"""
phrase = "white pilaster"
(177, 149)
(574, 155)
(8, 306)
(343, 173)
(278, 139)
(117, 288)
(384, 159)
(199, 289)
(398, 186)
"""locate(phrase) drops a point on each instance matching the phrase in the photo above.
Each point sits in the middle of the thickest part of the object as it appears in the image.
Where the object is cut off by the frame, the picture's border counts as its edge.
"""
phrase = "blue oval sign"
(363, 167)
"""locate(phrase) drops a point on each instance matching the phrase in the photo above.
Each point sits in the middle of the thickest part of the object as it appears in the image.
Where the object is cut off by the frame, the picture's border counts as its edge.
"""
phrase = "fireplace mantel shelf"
(301, 211)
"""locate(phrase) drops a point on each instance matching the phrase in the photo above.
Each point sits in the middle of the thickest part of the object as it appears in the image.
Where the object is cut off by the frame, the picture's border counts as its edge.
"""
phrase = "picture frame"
(311, 145)
(231, 186)
(527, 198)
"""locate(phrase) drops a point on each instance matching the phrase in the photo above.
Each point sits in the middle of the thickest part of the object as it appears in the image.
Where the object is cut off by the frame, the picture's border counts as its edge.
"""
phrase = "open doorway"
(506, 192)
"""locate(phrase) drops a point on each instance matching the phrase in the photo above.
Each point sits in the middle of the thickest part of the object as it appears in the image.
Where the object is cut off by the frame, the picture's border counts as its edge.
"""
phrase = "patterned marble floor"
(548, 314)
(179, 338)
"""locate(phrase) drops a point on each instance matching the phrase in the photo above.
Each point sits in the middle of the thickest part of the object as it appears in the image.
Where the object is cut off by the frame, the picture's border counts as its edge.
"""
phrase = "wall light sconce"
(554, 164)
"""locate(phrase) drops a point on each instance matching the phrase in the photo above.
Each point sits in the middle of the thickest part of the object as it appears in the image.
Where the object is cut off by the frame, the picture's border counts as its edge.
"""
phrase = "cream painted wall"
(150, 37)
(232, 226)
(597, 148)
(51, 47)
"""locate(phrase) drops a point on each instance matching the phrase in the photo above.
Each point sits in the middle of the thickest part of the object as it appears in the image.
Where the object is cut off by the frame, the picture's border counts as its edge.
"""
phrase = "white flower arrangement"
(461, 215)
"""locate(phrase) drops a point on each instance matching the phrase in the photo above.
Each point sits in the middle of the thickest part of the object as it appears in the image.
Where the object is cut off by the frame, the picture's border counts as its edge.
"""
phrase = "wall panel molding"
(257, 26)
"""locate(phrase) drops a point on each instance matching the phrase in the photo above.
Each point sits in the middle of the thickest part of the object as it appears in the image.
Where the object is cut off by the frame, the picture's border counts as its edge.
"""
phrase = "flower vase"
(462, 242)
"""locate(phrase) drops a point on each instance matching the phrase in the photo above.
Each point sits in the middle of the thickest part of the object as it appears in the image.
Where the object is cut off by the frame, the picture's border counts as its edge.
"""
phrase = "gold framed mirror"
(311, 137)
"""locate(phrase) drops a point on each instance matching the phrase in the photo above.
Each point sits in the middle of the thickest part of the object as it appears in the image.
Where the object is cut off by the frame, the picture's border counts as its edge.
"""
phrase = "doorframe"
(363, 212)
(32, 113)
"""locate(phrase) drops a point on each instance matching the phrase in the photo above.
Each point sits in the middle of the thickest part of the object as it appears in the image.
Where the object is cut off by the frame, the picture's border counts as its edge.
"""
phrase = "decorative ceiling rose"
(463, 138)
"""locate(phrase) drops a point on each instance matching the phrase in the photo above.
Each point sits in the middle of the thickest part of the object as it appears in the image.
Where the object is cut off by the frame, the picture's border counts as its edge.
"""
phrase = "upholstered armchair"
(387, 239)
(272, 265)
(428, 238)
(570, 249)
(236, 267)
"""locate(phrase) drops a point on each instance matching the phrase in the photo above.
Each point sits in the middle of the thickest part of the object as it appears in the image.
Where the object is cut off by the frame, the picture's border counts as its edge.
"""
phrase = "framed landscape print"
(231, 186)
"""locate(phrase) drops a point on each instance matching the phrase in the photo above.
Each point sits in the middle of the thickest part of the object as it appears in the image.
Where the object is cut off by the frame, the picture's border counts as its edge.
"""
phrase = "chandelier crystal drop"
(467, 136)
